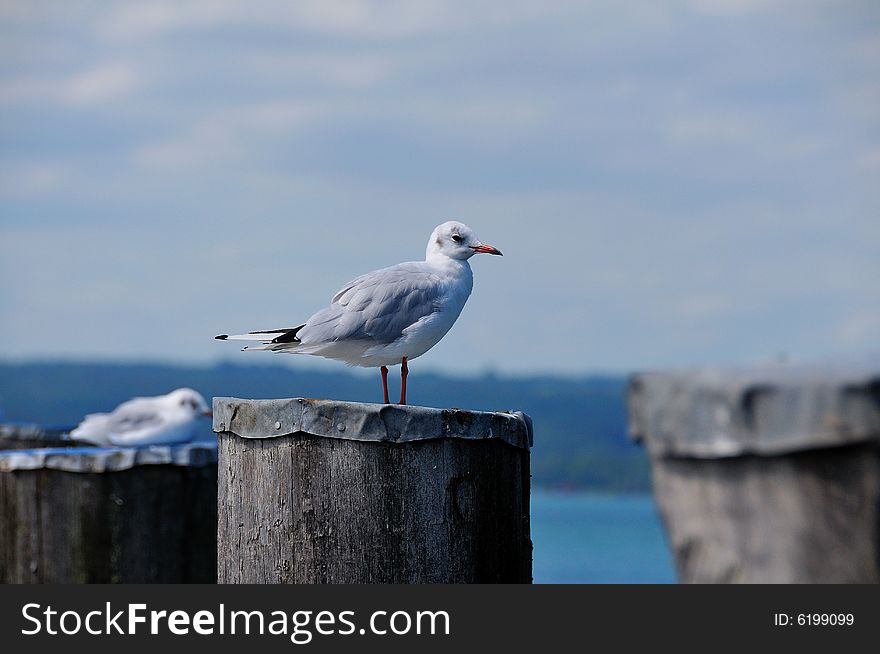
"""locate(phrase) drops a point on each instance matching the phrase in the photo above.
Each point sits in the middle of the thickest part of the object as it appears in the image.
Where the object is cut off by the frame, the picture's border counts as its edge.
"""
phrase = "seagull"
(172, 418)
(390, 316)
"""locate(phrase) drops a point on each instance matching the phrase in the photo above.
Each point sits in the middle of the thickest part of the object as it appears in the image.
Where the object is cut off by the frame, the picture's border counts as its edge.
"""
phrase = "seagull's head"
(189, 400)
(456, 240)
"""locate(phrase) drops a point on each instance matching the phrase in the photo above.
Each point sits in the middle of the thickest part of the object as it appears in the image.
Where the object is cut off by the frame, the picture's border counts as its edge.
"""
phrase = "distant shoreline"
(581, 441)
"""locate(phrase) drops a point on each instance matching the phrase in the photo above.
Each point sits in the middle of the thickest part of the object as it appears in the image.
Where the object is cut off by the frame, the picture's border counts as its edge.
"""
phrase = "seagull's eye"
(457, 238)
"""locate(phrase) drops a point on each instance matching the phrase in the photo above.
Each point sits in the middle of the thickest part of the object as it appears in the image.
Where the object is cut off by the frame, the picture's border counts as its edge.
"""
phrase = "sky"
(672, 183)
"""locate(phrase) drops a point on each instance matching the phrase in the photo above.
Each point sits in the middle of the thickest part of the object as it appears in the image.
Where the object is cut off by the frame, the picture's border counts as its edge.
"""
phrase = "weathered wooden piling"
(766, 475)
(317, 491)
(19, 436)
(120, 515)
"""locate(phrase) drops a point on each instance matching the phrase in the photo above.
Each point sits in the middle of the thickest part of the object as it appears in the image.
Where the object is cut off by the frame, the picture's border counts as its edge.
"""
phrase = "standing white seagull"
(389, 316)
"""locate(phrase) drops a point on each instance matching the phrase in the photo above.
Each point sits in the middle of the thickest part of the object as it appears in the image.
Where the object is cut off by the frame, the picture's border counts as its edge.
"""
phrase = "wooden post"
(15, 436)
(316, 491)
(96, 515)
(768, 475)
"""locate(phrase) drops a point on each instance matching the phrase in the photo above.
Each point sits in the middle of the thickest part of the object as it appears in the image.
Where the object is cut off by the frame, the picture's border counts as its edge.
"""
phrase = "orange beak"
(486, 249)
(208, 413)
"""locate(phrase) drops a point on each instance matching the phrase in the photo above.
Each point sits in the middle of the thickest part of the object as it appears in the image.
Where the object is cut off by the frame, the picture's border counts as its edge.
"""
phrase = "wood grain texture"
(807, 517)
(23, 437)
(307, 509)
(149, 524)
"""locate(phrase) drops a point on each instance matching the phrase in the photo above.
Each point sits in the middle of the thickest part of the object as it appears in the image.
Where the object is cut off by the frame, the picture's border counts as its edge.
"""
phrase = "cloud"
(247, 131)
(102, 84)
(31, 178)
(861, 330)
(395, 19)
(227, 135)
(662, 176)
(713, 129)
(702, 307)
(870, 159)
(357, 70)
(206, 143)
(735, 7)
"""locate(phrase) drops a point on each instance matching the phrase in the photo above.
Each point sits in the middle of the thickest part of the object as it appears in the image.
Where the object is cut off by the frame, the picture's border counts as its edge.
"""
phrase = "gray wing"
(377, 306)
(136, 413)
(134, 422)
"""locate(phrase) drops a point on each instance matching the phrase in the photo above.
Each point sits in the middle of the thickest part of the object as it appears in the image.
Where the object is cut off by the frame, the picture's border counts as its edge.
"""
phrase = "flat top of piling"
(366, 422)
(25, 430)
(769, 410)
(109, 459)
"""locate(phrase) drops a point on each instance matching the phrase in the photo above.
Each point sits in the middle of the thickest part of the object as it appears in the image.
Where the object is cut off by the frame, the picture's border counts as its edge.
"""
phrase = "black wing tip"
(276, 331)
(289, 336)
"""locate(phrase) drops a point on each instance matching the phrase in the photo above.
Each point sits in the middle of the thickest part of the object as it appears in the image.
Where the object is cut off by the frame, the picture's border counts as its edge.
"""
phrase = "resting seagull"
(389, 316)
(172, 418)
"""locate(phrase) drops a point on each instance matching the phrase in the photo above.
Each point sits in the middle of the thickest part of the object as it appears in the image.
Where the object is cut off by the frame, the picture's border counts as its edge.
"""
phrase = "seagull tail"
(272, 339)
(93, 429)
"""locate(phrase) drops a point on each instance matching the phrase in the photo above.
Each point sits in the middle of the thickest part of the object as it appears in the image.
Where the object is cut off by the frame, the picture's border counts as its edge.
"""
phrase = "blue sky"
(672, 183)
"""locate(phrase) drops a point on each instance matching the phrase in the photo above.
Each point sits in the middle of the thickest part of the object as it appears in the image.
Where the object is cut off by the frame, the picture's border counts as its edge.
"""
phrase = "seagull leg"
(385, 384)
(404, 371)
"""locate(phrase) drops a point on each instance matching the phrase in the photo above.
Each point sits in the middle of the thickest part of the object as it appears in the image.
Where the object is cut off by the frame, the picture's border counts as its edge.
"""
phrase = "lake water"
(595, 538)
